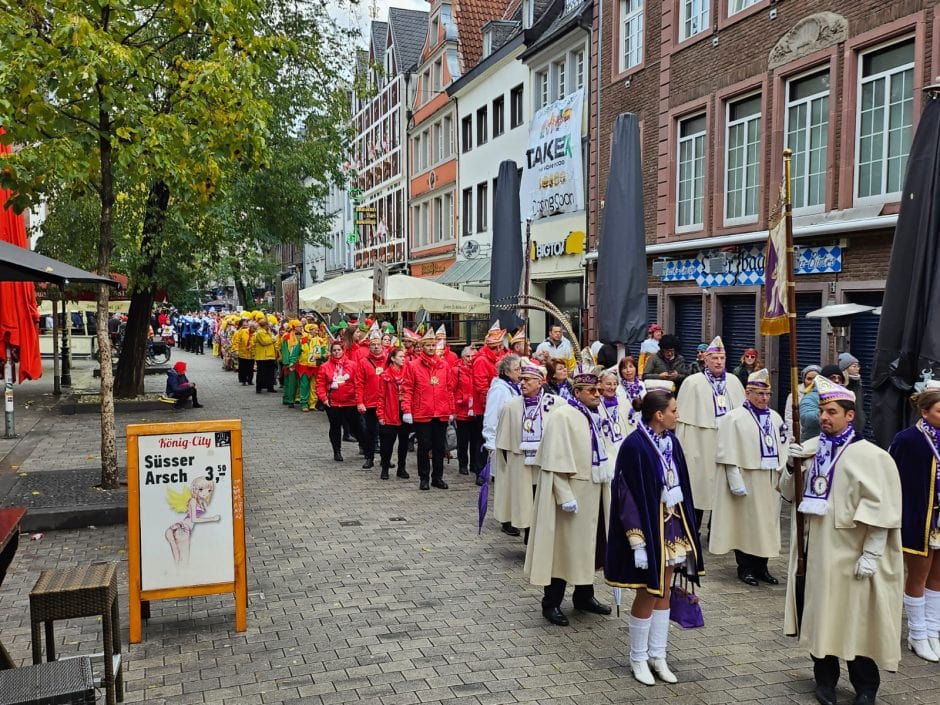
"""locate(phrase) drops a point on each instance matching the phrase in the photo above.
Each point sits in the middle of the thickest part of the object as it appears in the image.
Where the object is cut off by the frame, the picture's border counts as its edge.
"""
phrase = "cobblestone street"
(370, 591)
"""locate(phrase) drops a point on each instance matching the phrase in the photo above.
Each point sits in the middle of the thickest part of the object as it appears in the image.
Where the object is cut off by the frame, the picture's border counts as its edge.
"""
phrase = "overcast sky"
(359, 16)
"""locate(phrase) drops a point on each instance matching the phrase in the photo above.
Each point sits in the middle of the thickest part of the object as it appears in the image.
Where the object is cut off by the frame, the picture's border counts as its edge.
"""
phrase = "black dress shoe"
(197, 406)
(747, 577)
(403, 474)
(439, 484)
(337, 456)
(555, 616)
(464, 470)
(347, 438)
(864, 699)
(384, 475)
(368, 464)
(425, 485)
(593, 606)
(825, 695)
(479, 481)
(768, 578)
(509, 529)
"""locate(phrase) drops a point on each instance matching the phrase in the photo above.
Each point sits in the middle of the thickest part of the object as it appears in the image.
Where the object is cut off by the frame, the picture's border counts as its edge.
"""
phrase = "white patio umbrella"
(352, 293)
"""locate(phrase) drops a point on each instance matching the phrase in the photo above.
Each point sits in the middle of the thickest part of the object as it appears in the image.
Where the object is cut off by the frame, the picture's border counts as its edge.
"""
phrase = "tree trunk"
(133, 361)
(109, 471)
(245, 294)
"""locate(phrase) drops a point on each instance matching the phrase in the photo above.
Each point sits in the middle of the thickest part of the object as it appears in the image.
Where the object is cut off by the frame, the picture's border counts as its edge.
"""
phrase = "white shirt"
(499, 393)
(562, 351)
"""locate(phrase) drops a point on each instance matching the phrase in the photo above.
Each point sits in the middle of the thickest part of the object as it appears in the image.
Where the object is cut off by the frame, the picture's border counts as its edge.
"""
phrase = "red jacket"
(343, 374)
(368, 371)
(484, 370)
(463, 391)
(428, 389)
(358, 351)
(389, 408)
(449, 356)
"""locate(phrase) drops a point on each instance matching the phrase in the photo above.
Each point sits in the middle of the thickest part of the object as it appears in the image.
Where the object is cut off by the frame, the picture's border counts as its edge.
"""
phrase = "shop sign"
(571, 245)
(745, 266)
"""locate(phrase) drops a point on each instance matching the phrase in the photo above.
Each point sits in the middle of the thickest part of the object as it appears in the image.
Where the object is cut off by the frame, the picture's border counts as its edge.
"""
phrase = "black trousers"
(750, 564)
(370, 433)
(182, 395)
(340, 416)
(863, 673)
(387, 437)
(555, 594)
(199, 344)
(246, 370)
(469, 441)
(265, 377)
(432, 445)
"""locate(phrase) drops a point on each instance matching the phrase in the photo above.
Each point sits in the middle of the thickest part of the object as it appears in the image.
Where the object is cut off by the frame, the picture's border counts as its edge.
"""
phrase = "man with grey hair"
(505, 386)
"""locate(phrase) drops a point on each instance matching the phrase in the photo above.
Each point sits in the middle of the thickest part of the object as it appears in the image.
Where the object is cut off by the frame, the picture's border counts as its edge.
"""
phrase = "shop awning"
(467, 271)
(17, 264)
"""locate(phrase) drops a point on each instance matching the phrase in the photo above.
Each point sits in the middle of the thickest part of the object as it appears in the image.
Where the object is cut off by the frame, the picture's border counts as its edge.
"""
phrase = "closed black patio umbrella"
(507, 258)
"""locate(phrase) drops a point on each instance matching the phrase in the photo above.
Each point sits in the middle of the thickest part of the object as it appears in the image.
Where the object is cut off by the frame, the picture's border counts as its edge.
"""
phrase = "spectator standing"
(556, 346)
(666, 364)
(650, 346)
(852, 373)
(749, 363)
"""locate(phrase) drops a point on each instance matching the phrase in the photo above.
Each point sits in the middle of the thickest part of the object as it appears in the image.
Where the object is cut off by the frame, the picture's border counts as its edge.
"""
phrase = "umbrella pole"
(526, 255)
(56, 381)
(8, 420)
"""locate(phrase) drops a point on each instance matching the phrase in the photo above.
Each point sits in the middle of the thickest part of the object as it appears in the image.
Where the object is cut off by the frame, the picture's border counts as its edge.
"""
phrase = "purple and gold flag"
(773, 319)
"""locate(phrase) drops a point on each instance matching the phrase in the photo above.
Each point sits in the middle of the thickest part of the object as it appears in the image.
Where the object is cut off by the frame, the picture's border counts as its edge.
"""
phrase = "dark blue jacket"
(176, 383)
(915, 461)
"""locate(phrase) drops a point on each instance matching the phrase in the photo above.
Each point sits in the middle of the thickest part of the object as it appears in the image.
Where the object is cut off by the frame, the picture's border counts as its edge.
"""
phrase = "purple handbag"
(684, 607)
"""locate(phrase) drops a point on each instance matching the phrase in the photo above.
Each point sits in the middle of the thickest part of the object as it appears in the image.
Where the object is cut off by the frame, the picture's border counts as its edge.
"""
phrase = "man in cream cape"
(750, 454)
(703, 399)
(572, 501)
(518, 435)
(851, 509)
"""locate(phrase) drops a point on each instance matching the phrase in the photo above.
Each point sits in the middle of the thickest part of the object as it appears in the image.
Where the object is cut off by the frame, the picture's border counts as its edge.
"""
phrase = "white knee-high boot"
(659, 637)
(916, 609)
(639, 649)
(932, 619)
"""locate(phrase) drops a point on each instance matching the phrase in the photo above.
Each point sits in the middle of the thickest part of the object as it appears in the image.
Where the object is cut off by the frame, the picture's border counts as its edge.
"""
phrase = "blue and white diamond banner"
(745, 267)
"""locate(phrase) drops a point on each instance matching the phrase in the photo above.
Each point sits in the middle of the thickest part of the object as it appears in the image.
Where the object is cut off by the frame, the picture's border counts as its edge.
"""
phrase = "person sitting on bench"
(179, 387)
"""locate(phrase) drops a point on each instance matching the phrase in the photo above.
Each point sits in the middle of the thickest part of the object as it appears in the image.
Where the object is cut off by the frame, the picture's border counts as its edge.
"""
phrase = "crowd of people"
(615, 466)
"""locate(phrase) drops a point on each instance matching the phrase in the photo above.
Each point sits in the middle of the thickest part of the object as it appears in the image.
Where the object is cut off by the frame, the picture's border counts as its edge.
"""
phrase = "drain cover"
(397, 519)
(350, 522)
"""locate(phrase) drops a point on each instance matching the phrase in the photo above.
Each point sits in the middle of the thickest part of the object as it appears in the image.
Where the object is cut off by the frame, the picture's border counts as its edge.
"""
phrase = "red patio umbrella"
(18, 312)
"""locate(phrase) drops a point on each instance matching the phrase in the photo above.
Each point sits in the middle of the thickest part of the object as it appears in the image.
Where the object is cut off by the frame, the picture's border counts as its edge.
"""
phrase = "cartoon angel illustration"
(192, 502)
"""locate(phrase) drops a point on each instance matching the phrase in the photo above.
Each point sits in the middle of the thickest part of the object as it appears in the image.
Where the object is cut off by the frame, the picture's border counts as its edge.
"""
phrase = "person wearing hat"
(442, 349)
(807, 376)
(409, 339)
(307, 365)
(851, 371)
(751, 453)
(179, 387)
(469, 424)
(809, 404)
(484, 370)
(850, 507)
(666, 363)
(703, 400)
(368, 371)
(698, 365)
(518, 435)
(265, 355)
(650, 346)
(241, 345)
(572, 501)
(292, 342)
(749, 363)
(518, 343)
(916, 451)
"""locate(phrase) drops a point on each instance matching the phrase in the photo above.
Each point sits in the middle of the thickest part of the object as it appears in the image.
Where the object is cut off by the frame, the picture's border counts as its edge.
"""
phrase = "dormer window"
(528, 13)
(487, 41)
(435, 32)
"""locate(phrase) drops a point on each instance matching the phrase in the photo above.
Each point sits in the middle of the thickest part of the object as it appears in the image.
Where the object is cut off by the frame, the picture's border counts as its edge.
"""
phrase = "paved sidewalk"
(373, 592)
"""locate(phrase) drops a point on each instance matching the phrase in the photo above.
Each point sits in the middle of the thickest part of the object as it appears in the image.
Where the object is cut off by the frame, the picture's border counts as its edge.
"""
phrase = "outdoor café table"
(9, 541)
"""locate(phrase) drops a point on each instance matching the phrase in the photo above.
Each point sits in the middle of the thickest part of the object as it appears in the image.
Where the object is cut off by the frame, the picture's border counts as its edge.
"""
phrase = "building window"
(438, 71)
(742, 159)
(482, 203)
(541, 82)
(631, 33)
(466, 133)
(515, 107)
(560, 84)
(577, 59)
(448, 137)
(499, 116)
(438, 144)
(885, 119)
(467, 212)
(807, 134)
(438, 233)
(481, 126)
(736, 6)
(690, 173)
(426, 149)
(693, 17)
(447, 218)
(487, 42)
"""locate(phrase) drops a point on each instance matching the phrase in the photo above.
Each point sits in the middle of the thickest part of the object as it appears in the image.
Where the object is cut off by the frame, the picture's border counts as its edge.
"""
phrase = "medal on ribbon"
(433, 379)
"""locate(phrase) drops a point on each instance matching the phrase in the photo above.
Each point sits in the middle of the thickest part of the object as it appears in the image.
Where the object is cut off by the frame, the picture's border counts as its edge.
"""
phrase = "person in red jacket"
(391, 426)
(469, 423)
(428, 403)
(443, 349)
(484, 366)
(368, 371)
(409, 340)
(336, 388)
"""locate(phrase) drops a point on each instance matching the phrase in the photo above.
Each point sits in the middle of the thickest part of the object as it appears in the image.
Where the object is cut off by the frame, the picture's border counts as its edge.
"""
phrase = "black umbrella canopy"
(621, 251)
(17, 264)
(909, 333)
(506, 262)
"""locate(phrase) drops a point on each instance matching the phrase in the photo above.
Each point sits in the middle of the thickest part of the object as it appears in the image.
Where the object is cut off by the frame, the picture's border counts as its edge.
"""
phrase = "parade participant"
(807, 376)
(307, 366)
(409, 339)
(916, 451)
(518, 435)
(484, 365)
(359, 345)
(851, 510)
(336, 388)
(264, 352)
(750, 455)
(651, 530)
(666, 363)
(442, 349)
(292, 342)
(428, 403)
(556, 346)
(650, 346)
(631, 386)
(226, 331)
(614, 410)
(558, 382)
(469, 424)
(749, 363)
(391, 426)
(368, 371)
(179, 387)
(703, 400)
(519, 344)
(241, 345)
(504, 387)
(572, 501)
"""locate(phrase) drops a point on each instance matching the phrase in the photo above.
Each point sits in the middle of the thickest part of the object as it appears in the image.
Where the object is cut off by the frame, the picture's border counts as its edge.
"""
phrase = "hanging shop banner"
(552, 180)
(186, 524)
(745, 266)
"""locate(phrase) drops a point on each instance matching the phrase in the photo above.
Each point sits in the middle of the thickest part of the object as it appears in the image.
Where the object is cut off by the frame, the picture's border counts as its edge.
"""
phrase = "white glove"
(407, 418)
(640, 560)
(797, 452)
(571, 506)
(736, 482)
(334, 386)
(866, 565)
